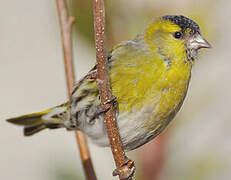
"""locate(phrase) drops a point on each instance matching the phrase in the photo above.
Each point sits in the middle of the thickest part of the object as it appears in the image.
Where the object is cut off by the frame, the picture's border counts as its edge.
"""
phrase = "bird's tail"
(35, 122)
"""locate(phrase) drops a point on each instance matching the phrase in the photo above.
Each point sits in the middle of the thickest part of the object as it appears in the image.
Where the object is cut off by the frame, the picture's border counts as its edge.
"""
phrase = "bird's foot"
(127, 171)
(112, 100)
(98, 113)
(92, 75)
(101, 111)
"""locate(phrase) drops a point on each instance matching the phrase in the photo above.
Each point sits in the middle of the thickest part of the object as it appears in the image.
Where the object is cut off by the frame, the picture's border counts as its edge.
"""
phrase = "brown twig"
(123, 169)
(66, 32)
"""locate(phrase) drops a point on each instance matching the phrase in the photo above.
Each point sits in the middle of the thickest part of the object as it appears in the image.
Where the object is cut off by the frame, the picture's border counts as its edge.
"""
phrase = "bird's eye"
(177, 35)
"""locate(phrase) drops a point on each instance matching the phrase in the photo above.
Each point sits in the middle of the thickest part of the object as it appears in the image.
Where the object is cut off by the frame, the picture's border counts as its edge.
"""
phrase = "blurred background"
(195, 146)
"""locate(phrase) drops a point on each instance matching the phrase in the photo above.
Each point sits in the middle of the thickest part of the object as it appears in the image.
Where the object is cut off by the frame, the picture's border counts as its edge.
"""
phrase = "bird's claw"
(92, 75)
(125, 172)
(98, 113)
(112, 100)
(103, 111)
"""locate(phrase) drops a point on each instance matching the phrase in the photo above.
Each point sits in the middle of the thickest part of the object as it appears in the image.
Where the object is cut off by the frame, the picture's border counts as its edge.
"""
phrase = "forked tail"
(35, 122)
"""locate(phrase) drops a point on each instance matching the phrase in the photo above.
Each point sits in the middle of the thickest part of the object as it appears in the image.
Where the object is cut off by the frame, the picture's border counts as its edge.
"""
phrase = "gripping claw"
(127, 171)
(112, 100)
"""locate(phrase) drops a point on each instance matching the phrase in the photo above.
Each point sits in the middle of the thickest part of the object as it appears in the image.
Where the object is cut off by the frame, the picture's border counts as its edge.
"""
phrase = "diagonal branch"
(123, 169)
(66, 32)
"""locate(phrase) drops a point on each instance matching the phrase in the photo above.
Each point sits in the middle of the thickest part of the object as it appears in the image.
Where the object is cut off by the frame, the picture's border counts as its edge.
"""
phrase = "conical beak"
(197, 42)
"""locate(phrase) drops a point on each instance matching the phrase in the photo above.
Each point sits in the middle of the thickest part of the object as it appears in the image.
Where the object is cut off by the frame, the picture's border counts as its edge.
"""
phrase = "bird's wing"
(124, 61)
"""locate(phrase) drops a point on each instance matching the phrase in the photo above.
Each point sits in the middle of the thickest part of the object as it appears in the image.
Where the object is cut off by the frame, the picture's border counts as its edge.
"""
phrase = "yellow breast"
(170, 92)
(143, 81)
(138, 83)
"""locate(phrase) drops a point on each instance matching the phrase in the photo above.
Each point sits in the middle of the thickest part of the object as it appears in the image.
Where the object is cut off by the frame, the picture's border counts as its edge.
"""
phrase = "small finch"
(149, 77)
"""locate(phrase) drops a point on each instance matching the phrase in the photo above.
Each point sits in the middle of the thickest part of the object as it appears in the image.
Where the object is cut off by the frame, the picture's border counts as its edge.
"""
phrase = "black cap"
(183, 22)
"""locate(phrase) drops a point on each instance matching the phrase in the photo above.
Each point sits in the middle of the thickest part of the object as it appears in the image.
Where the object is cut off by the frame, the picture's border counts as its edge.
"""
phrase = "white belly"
(131, 127)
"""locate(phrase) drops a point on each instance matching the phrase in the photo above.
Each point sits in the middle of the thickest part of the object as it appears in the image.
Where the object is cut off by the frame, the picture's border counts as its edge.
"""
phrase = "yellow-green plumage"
(149, 77)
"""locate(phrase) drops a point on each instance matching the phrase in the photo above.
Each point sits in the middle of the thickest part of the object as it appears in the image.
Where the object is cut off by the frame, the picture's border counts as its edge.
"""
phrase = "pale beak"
(197, 41)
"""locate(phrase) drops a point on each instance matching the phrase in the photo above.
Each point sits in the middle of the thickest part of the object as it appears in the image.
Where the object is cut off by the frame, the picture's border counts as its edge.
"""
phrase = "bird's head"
(175, 35)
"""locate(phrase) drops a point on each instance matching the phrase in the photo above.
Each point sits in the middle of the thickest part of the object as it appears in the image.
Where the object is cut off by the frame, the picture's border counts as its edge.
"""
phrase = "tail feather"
(32, 122)
(35, 122)
(27, 120)
(28, 131)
